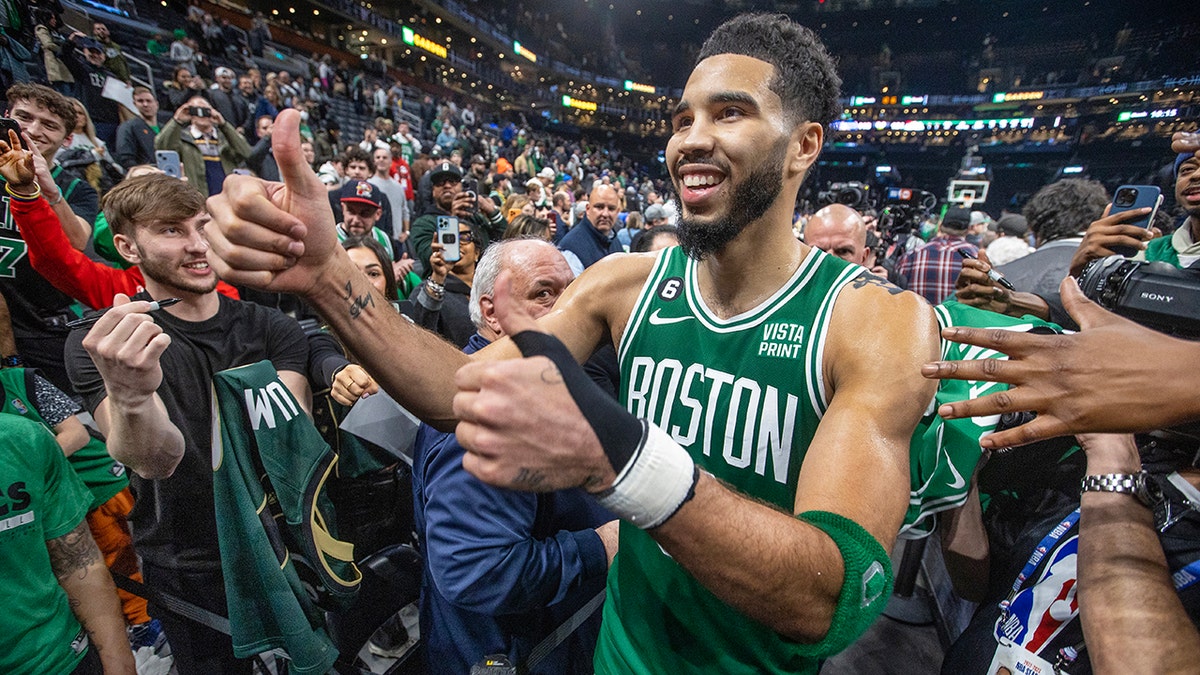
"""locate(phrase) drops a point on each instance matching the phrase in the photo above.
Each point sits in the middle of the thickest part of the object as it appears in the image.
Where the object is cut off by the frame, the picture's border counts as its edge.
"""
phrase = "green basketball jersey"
(744, 396)
(102, 474)
(943, 453)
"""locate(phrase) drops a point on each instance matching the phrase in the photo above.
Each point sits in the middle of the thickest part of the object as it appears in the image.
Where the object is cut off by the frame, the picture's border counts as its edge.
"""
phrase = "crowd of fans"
(437, 203)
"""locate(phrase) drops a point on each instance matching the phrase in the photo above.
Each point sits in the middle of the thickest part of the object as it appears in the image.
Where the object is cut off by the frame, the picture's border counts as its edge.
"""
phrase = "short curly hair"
(806, 78)
(1065, 208)
(54, 102)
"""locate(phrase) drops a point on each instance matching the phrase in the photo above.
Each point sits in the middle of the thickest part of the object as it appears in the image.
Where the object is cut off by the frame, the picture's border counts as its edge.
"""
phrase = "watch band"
(1120, 483)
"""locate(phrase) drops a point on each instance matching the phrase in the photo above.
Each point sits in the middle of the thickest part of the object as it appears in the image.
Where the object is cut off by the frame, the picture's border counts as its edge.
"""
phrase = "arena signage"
(1005, 97)
(921, 126)
(410, 37)
(630, 85)
(569, 102)
(518, 49)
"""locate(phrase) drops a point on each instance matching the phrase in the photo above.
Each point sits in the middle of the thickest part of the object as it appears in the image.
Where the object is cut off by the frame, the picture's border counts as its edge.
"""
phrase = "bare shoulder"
(880, 327)
(606, 292)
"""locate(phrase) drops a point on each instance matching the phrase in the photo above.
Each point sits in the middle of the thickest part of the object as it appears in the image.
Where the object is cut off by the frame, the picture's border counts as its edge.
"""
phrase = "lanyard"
(1044, 546)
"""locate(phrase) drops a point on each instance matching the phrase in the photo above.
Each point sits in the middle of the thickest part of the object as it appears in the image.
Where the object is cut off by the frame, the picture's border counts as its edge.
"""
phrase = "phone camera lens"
(1126, 197)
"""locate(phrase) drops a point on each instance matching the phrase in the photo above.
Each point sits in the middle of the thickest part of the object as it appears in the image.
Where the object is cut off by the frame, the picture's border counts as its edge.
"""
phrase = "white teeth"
(699, 180)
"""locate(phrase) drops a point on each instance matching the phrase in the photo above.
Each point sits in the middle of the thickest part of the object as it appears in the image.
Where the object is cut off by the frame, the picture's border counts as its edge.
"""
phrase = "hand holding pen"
(125, 345)
(991, 273)
(88, 322)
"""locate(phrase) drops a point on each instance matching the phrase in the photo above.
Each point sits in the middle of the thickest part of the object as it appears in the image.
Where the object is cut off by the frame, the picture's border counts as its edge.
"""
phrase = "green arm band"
(866, 586)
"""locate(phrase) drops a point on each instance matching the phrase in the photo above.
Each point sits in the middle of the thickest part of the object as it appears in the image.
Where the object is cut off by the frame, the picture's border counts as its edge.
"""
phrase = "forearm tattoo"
(358, 303)
(73, 553)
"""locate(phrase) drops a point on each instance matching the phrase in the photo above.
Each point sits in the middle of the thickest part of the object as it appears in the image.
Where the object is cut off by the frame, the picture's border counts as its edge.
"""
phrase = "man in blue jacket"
(593, 238)
(505, 568)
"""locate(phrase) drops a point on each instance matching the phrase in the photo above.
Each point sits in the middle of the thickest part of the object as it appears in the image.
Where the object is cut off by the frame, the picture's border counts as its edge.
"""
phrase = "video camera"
(903, 211)
(854, 194)
(1154, 294)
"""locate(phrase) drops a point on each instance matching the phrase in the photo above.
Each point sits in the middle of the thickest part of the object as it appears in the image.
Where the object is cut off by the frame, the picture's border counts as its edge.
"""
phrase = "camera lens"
(1126, 197)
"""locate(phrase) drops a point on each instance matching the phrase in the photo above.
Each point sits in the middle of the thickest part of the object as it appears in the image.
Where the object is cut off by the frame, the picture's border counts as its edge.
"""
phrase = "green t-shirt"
(40, 499)
(103, 475)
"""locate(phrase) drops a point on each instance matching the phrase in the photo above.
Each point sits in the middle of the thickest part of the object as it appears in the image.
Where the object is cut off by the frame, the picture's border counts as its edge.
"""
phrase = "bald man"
(594, 237)
(840, 230)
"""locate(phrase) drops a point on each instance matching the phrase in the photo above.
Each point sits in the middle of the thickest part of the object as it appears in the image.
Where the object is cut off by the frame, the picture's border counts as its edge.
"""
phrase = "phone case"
(447, 232)
(1148, 196)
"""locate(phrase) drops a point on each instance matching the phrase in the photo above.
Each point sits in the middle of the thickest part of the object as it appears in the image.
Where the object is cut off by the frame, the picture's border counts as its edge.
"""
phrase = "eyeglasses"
(466, 238)
(442, 182)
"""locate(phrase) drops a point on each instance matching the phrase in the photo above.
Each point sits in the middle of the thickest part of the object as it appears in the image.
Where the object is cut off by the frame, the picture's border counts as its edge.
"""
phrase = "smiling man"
(147, 379)
(760, 462)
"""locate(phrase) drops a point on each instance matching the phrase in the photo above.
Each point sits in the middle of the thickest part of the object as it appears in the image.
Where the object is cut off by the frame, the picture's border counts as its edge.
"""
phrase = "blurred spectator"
(176, 92)
(183, 50)
(228, 102)
(135, 137)
(51, 40)
(260, 32)
(13, 57)
(209, 147)
(326, 142)
(389, 186)
(157, 45)
(86, 153)
(114, 58)
(90, 77)
(933, 268)
(261, 159)
(1012, 243)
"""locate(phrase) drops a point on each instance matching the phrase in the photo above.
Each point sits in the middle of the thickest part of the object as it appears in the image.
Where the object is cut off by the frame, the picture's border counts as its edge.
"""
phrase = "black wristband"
(12, 361)
(620, 433)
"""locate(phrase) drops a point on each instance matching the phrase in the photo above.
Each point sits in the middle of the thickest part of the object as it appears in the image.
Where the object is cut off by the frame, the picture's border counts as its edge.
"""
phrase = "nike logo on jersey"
(657, 320)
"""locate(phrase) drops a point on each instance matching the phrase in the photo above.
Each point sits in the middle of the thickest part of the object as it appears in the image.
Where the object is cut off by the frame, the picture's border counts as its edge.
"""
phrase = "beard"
(170, 275)
(749, 200)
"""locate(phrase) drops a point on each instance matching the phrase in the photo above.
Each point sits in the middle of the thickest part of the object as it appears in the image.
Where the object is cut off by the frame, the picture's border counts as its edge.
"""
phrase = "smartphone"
(199, 111)
(447, 233)
(1132, 197)
(5, 125)
(168, 162)
(471, 187)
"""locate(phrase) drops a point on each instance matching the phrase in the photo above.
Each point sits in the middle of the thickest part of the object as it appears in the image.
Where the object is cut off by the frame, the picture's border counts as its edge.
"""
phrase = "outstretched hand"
(1106, 378)
(275, 236)
(16, 164)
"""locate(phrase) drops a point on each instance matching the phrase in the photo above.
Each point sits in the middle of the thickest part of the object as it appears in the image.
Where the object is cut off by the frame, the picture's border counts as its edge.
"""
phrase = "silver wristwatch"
(1137, 484)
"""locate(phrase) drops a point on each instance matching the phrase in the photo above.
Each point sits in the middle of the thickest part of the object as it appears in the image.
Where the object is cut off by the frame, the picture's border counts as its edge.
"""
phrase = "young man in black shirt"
(147, 378)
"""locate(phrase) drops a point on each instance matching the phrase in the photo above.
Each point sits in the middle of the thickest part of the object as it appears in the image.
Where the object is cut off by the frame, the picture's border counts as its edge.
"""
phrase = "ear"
(487, 309)
(127, 248)
(804, 147)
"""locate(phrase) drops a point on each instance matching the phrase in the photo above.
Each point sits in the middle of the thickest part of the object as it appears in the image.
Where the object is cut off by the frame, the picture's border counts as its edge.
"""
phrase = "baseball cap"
(1013, 225)
(444, 170)
(477, 159)
(655, 212)
(546, 173)
(224, 71)
(956, 218)
(360, 191)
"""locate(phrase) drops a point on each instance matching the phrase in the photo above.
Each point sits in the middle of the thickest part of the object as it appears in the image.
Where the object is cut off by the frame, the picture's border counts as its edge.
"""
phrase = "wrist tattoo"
(359, 303)
(528, 478)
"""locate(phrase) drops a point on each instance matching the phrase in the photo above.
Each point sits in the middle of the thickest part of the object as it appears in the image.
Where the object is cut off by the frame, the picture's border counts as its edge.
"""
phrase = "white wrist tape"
(652, 486)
